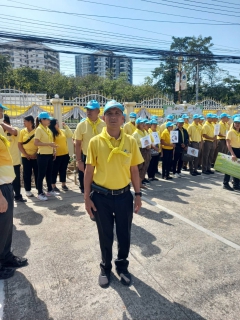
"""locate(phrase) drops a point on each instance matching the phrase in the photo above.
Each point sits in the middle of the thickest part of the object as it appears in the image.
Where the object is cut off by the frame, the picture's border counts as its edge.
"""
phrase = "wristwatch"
(138, 194)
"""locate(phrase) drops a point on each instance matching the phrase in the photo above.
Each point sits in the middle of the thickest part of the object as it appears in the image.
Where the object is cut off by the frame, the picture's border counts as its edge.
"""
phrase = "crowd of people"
(110, 155)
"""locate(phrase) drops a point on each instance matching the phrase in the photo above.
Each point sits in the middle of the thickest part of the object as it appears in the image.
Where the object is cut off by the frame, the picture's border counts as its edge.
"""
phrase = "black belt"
(105, 191)
(196, 141)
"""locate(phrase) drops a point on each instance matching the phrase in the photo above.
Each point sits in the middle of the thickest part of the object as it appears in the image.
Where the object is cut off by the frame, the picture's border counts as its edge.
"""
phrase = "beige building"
(30, 54)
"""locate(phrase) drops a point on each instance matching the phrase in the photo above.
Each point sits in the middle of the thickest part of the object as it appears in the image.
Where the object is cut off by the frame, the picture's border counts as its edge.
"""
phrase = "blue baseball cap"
(154, 121)
(132, 115)
(149, 122)
(202, 118)
(223, 115)
(154, 117)
(236, 119)
(180, 120)
(209, 115)
(214, 116)
(92, 105)
(169, 124)
(113, 104)
(83, 119)
(44, 115)
(196, 116)
(170, 117)
(3, 107)
(235, 115)
(140, 120)
(185, 116)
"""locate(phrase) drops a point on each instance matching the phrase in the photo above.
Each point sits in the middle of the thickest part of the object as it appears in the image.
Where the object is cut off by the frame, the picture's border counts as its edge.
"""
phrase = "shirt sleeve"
(229, 135)
(21, 136)
(205, 130)
(38, 134)
(136, 154)
(91, 154)
(78, 132)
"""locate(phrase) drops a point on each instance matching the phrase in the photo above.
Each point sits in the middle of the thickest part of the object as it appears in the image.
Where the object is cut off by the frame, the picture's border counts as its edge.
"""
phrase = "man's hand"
(183, 145)
(53, 144)
(80, 166)
(137, 204)
(234, 158)
(3, 203)
(89, 206)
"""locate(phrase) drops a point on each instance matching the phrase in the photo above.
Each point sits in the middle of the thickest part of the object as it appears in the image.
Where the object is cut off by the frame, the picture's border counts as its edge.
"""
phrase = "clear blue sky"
(125, 31)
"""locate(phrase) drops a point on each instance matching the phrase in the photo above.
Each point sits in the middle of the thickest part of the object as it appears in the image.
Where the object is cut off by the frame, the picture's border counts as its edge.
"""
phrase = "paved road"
(185, 258)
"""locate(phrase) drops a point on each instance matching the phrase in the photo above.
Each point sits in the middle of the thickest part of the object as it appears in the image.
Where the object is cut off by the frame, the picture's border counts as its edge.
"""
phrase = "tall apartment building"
(101, 62)
(30, 54)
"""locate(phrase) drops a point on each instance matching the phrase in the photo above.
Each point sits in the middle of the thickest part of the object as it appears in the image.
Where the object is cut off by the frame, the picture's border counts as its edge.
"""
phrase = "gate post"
(129, 107)
(57, 108)
(231, 109)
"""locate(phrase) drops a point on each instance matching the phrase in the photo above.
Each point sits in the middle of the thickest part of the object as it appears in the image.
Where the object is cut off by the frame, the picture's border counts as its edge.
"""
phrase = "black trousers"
(6, 224)
(226, 176)
(81, 174)
(17, 182)
(177, 161)
(45, 164)
(208, 151)
(153, 167)
(166, 162)
(29, 166)
(120, 209)
(60, 166)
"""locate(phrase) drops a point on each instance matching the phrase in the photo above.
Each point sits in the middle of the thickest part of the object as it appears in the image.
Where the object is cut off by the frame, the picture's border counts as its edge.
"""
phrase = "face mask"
(132, 119)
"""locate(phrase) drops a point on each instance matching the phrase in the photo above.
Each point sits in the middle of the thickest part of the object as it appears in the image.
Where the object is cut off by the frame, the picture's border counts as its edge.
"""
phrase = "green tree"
(5, 66)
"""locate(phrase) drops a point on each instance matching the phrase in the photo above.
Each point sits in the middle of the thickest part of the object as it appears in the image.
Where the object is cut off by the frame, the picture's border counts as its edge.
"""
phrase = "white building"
(30, 54)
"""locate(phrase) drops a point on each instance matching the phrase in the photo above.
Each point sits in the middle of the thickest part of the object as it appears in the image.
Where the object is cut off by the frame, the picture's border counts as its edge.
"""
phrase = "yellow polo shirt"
(61, 141)
(166, 137)
(162, 127)
(13, 149)
(129, 128)
(186, 125)
(42, 136)
(29, 147)
(224, 127)
(139, 134)
(195, 132)
(114, 174)
(208, 129)
(7, 174)
(84, 132)
(234, 138)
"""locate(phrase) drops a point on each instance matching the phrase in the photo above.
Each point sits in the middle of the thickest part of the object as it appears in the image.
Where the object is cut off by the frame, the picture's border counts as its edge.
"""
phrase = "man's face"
(186, 120)
(209, 120)
(196, 121)
(237, 125)
(225, 119)
(114, 118)
(180, 125)
(215, 120)
(154, 127)
(92, 114)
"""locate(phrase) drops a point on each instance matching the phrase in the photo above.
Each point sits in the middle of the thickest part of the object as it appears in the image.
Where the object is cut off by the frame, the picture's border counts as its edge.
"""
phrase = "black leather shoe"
(227, 187)
(193, 174)
(15, 262)
(197, 173)
(210, 171)
(205, 172)
(104, 279)
(20, 199)
(6, 273)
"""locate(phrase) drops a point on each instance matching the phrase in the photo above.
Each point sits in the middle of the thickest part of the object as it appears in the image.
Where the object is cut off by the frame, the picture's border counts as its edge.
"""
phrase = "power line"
(127, 18)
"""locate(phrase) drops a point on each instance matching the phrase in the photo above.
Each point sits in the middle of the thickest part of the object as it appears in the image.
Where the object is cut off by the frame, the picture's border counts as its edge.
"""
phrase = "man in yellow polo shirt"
(195, 136)
(233, 144)
(112, 163)
(186, 121)
(130, 126)
(85, 130)
(208, 147)
(7, 260)
(12, 135)
(224, 128)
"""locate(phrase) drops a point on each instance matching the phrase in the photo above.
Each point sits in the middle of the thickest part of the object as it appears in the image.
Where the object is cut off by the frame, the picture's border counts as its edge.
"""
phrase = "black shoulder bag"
(29, 139)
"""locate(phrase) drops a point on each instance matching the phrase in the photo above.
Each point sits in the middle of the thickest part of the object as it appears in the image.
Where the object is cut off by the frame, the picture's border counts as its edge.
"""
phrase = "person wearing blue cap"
(130, 126)
(233, 144)
(86, 130)
(180, 146)
(186, 124)
(138, 134)
(46, 153)
(200, 123)
(167, 150)
(221, 138)
(112, 164)
(155, 149)
(195, 136)
(12, 135)
(208, 147)
(169, 118)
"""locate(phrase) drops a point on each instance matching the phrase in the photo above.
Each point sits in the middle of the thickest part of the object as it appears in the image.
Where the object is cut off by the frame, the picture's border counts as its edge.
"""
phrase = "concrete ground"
(185, 257)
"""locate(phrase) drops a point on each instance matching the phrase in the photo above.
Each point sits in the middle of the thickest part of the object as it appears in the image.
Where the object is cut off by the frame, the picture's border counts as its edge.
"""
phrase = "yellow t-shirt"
(139, 134)
(224, 127)
(234, 138)
(162, 127)
(13, 149)
(84, 132)
(208, 129)
(195, 132)
(42, 136)
(186, 125)
(114, 174)
(7, 174)
(166, 137)
(61, 141)
(29, 147)
(129, 128)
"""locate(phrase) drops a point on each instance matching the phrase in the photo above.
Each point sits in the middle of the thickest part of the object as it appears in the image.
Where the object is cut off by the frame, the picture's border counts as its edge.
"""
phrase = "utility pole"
(197, 81)
(180, 77)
